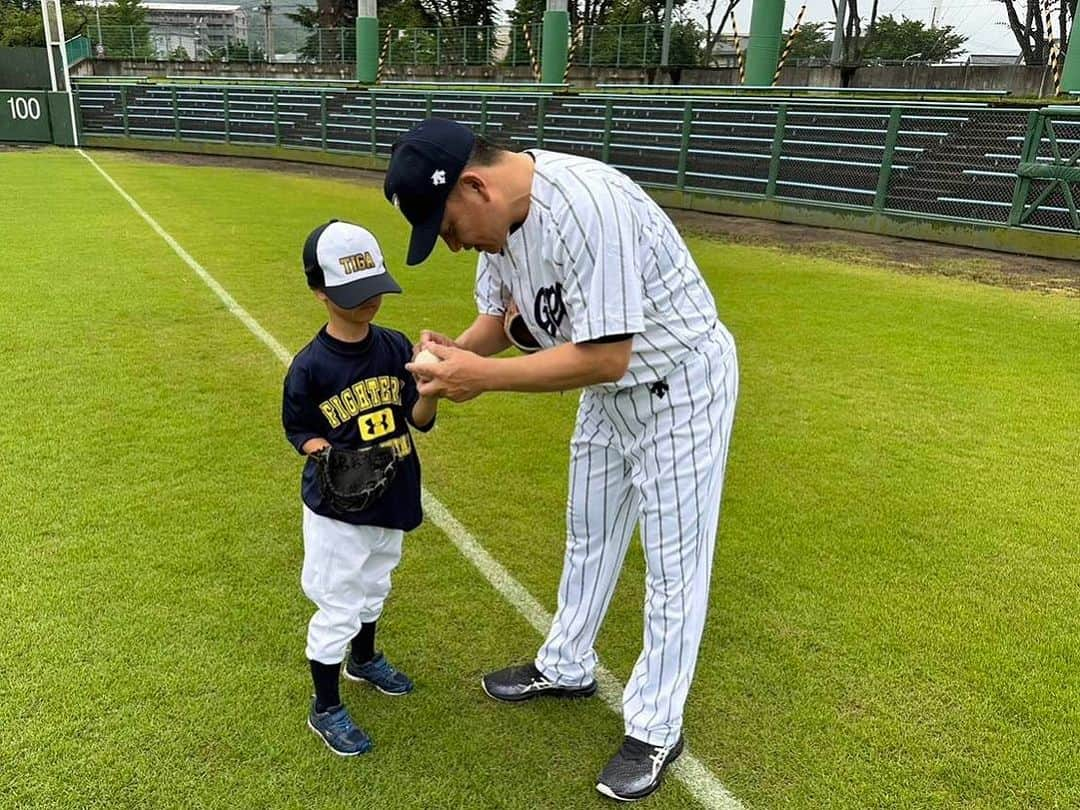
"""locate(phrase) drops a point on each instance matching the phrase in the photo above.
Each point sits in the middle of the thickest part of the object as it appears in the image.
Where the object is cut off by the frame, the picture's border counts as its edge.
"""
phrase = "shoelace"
(538, 683)
(659, 757)
(340, 723)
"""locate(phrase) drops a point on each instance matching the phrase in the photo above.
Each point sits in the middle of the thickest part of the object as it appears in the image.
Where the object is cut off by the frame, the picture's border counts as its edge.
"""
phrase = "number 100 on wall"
(24, 109)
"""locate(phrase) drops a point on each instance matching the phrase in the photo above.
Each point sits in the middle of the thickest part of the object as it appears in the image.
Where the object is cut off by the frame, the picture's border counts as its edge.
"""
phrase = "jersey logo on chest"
(549, 309)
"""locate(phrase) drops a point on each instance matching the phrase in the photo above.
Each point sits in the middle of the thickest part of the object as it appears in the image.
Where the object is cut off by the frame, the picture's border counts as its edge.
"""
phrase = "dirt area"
(1050, 276)
(902, 255)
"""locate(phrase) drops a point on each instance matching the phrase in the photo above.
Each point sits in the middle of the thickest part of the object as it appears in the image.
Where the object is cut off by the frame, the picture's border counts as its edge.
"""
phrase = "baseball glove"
(517, 331)
(352, 480)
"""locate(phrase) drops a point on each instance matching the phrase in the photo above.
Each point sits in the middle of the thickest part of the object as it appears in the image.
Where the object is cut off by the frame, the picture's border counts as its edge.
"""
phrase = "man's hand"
(427, 336)
(460, 376)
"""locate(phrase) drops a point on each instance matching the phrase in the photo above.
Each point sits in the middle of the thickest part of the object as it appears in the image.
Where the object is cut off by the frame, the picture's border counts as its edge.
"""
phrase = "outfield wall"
(966, 174)
(1020, 81)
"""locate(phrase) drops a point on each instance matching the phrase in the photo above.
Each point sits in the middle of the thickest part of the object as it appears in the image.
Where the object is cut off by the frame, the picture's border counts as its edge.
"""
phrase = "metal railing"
(959, 162)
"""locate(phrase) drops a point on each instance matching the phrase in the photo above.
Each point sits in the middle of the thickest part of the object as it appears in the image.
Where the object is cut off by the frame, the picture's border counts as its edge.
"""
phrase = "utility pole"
(101, 43)
(268, 10)
(665, 48)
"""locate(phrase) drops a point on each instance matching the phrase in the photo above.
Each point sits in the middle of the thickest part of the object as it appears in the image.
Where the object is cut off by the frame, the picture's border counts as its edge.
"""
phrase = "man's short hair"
(485, 152)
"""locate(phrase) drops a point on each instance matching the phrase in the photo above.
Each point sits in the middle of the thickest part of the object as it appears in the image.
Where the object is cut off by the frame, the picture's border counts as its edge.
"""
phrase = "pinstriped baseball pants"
(636, 458)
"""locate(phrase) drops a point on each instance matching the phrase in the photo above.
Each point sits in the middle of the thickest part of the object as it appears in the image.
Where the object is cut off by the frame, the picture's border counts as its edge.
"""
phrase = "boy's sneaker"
(381, 674)
(338, 731)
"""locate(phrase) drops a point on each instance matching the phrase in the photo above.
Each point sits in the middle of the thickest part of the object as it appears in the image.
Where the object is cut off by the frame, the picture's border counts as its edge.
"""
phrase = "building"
(198, 28)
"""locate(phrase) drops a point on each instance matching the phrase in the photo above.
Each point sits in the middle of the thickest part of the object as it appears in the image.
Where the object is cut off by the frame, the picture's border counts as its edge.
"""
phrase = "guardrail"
(958, 163)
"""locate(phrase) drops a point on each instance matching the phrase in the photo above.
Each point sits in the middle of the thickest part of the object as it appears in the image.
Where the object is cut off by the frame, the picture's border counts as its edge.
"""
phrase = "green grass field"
(893, 619)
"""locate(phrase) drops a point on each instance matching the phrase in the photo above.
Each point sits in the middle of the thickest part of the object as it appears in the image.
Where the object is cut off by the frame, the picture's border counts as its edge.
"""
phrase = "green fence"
(78, 48)
(1048, 177)
(934, 167)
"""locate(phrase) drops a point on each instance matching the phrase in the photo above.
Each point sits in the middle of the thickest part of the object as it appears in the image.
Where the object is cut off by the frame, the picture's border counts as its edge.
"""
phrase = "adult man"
(610, 291)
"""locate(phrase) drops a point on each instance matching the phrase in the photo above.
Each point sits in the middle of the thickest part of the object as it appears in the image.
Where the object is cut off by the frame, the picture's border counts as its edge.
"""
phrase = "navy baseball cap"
(425, 165)
(345, 261)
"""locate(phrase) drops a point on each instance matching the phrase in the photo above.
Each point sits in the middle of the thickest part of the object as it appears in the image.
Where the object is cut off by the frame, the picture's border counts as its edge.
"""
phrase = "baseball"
(425, 356)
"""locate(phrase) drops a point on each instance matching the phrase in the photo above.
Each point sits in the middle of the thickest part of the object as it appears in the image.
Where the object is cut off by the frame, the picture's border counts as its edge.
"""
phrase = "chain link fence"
(615, 45)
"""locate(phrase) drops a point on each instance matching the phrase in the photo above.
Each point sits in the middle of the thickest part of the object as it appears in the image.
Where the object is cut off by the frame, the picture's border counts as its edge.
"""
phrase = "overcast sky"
(983, 21)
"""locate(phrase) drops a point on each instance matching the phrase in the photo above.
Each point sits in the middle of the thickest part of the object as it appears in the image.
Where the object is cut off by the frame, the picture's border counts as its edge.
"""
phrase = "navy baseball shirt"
(357, 395)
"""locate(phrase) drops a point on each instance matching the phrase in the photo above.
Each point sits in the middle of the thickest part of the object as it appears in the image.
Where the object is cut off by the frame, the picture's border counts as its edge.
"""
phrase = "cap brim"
(348, 296)
(424, 236)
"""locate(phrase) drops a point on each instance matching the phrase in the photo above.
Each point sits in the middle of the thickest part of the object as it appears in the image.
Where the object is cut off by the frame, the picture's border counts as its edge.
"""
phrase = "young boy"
(348, 388)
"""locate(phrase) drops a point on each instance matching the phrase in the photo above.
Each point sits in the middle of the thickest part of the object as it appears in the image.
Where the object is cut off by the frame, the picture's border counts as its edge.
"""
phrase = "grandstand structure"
(927, 160)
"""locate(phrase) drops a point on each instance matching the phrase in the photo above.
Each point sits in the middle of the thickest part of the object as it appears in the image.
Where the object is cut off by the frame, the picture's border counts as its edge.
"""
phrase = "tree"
(240, 51)
(713, 34)
(1029, 31)
(852, 41)
(811, 41)
(21, 25)
(910, 38)
(460, 12)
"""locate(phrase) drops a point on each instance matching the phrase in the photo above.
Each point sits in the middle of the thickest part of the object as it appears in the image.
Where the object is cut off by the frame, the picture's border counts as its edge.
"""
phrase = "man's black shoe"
(637, 770)
(515, 684)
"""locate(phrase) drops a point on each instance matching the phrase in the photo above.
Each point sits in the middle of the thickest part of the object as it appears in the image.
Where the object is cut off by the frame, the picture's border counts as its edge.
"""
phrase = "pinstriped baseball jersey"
(597, 257)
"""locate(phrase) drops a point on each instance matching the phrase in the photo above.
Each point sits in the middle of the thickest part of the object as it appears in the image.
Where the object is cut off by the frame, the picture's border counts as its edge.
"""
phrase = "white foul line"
(705, 787)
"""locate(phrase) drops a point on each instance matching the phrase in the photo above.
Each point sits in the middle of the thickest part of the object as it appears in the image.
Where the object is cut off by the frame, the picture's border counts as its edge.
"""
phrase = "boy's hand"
(314, 445)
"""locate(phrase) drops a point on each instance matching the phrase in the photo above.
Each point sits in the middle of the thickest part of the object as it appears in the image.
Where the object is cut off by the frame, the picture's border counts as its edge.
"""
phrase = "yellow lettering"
(328, 411)
(373, 389)
(385, 397)
(349, 401)
(401, 446)
(395, 387)
(341, 411)
(361, 397)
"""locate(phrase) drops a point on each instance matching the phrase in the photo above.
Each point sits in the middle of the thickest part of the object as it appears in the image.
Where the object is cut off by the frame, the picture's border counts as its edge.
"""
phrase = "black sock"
(363, 643)
(325, 677)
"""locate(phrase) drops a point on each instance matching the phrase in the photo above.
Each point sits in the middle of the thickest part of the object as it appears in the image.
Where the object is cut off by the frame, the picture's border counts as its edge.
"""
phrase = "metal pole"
(67, 77)
(891, 136)
(777, 147)
(1070, 72)
(277, 120)
(763, 52)
(228, 135)
(605, 144)
(665, 49)
(684, 144)
(322, 116)
(48, 45)
(175, 115)
(97, 14)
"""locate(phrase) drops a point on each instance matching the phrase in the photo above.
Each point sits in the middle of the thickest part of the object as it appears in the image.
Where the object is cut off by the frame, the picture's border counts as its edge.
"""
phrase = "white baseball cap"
(346, 262)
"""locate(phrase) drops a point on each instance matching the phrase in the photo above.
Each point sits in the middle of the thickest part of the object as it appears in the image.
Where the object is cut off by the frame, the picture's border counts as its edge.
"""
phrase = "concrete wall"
(1020, 80)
